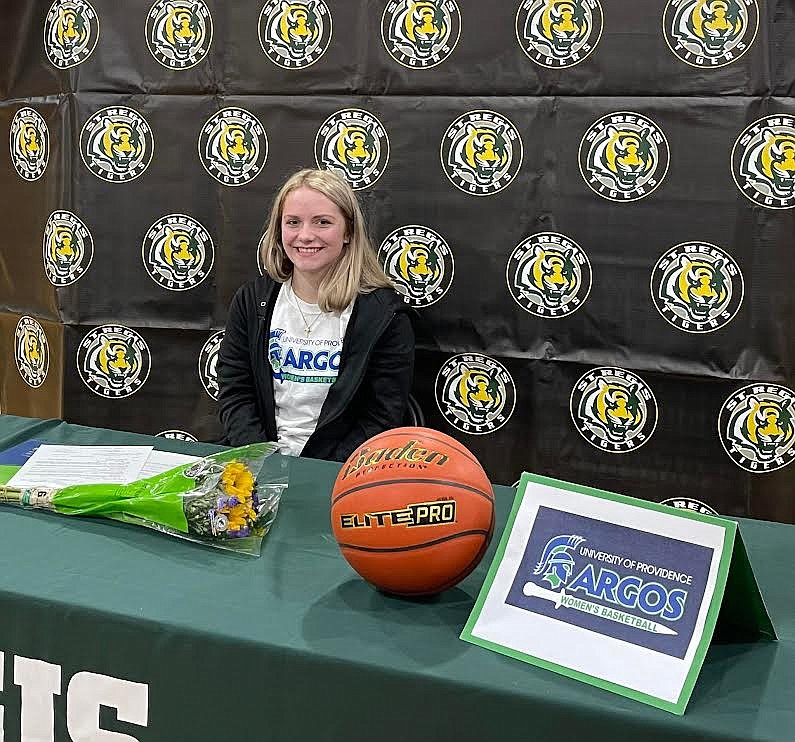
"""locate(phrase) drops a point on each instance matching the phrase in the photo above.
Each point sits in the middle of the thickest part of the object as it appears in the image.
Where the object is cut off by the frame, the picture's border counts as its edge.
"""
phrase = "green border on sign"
(730, 528)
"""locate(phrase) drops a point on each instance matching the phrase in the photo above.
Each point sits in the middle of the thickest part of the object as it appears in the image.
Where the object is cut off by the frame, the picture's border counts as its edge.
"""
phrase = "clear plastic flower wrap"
(227, 500)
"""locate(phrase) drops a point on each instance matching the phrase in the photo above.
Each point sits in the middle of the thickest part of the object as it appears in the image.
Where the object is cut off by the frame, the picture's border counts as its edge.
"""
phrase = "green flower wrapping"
(222, 500)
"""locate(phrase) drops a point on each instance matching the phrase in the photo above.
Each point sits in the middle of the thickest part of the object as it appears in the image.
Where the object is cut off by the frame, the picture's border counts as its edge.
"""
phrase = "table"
(294, 646)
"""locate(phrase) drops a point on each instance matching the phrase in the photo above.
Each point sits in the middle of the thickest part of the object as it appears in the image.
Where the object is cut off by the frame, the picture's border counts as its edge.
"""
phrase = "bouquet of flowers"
(226, 500)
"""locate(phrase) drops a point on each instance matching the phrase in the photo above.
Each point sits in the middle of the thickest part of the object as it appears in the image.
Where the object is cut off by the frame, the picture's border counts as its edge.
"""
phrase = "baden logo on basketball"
(116, 144)
(697, 287)
(177, 435)
(613, 409)
(208, 363)
(710, 33)
(475, 393)
(756, 428)
(31, 351)
(67, 248)
(113, 361)
(763, 162)
(179, 32)
(419, 262)
(29, 143)
(233, 146)
(549, 275)
(481, 152)
(420, 33)
(71, 31)
(294, 35)
(623, 156)
(354, 144)
(558, 33)
(177, 252)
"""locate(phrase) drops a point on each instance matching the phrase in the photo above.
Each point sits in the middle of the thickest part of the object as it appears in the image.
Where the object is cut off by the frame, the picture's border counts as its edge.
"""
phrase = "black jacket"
(370, 394)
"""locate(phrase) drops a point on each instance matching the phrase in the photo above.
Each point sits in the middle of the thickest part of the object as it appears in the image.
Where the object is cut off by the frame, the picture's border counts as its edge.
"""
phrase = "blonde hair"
(356, 271)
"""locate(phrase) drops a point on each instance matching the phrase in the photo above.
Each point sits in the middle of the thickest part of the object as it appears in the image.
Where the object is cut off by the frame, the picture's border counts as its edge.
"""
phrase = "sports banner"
(614, 591)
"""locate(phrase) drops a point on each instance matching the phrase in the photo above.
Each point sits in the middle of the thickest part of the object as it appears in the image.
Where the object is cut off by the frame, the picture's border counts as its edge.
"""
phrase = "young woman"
(318, 354)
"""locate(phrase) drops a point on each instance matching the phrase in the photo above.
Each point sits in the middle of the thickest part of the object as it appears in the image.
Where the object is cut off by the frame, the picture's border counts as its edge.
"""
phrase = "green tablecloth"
(294, 646)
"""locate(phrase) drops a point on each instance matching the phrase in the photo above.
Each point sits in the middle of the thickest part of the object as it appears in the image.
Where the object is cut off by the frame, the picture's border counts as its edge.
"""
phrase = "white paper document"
(60, 466)
(160, 461)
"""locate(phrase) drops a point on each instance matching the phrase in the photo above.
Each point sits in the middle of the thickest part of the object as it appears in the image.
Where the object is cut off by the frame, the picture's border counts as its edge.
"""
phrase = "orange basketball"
(412, 511)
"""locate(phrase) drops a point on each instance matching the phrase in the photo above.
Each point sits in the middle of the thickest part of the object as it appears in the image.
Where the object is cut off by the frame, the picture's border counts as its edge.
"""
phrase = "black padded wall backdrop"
(590, 204)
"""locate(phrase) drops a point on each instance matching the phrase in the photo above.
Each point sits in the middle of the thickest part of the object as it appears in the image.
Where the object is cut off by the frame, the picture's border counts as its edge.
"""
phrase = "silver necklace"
(307, 325)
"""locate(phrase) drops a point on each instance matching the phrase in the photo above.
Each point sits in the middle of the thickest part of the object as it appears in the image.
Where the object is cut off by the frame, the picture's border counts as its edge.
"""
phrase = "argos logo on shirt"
(306, 360)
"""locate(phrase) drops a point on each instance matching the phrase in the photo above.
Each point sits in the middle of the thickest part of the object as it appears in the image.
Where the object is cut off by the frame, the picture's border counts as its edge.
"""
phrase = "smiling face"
(314, 233)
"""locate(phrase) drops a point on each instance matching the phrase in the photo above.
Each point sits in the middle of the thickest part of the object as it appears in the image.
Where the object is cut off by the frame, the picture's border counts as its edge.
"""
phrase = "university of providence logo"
(294, 35)
(116, 144)
(71, 31)
(233, 146)
(419, 34)
(29, 144)
(558, 33)
(177, 252)
(67, 248)
(179, 32)
(113, 361)
(31, 351)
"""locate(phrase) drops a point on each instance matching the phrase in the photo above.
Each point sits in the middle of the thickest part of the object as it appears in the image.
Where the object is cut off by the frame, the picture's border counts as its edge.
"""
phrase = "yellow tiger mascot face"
(296, 26)
(179, 253)
(71, 31)
(715, 23)
(117, 361)
(423, 25)
(772, 160)
(30, 146)
(562, 23)
(353, 148)
(614, 408)
(763, 425)
(236, 147)
(625, 156)
(64, 250)
(120, 144)
(32, 351)
(476, 393)
(182, 30)
(417, 266)
(699, 287)
(485, 153)
(551, 273)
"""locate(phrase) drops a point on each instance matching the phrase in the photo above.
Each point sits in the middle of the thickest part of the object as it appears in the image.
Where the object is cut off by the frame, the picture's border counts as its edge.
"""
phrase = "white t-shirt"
(303, 365)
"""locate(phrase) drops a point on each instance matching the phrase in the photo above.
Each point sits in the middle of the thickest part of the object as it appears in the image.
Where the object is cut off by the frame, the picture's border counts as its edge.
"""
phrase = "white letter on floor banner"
(39, 681)
(87, 691)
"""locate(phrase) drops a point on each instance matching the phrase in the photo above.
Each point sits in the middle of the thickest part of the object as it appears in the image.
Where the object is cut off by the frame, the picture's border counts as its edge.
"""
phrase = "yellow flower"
(238, 480)
(239, 516)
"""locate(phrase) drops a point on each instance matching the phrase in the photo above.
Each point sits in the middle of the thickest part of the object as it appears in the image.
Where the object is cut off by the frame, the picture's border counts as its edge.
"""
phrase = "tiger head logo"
(353, 149)
(116, 144)
(711, 25)
(296, 28)
(236, 147)
(31, 351)
(208, 364)
(233, 146)
(613, 407)
(484, 152)
(121, 145)
(771, 162)
(116, 361)
(422, 25)
(71, 31)
(697, 286)
(417, 266)
(551, 273)
(476, 392)
(182, 29)
(180, 253)
(762, 425)
(29, 145)
(64, 251)
(562, 24)
(624, 155)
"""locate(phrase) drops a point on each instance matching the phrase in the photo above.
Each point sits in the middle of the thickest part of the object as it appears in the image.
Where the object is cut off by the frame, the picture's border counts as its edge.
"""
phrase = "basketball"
(412, 511)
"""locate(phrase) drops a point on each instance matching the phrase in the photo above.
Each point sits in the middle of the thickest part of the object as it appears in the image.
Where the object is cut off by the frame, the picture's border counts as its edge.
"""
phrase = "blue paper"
(19, 454)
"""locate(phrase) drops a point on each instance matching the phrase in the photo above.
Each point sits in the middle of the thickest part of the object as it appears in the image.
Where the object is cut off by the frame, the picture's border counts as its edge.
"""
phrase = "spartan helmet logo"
(113, 361)
(295, 34)
(177, 252)
(116, 144)
(420, 33)
(31, 351)
(756, 427)
(67, 247)
(556, 564)
(481, 152)
(233, 146)
(179, 32)
(354, 144)
(613, 409)
(763, 163)
(71, 31)
(29, 142)
(559, 33)
(475, 393)
(420, 263)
